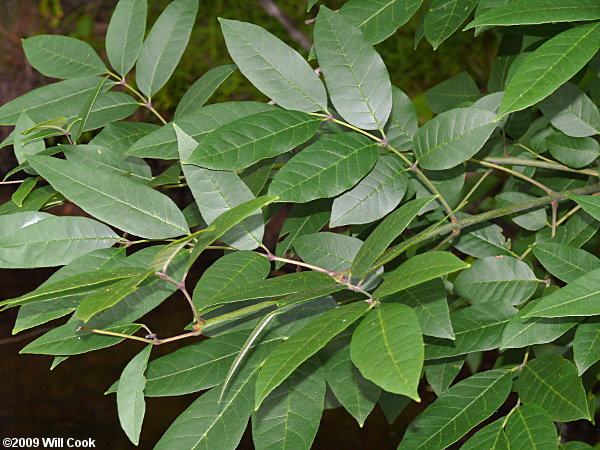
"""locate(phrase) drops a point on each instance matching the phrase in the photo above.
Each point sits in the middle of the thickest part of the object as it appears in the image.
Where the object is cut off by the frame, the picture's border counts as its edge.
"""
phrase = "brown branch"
(298, 36)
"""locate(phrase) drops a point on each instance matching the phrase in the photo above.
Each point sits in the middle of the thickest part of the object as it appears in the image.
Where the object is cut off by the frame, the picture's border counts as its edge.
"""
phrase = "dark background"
(69, 401)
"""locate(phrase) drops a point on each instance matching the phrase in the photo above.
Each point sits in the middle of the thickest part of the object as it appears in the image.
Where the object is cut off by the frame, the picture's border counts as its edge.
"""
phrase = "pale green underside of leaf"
(356, 77)
(589, 204)
(273, 67)
(125, 34)
(164, 45)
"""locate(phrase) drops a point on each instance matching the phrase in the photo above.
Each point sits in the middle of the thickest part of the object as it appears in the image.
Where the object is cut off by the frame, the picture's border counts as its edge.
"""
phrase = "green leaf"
(54, 241)
(387, 348)
(490, 436)
(402, 125)
(429, 303)
(119, 136)
(586, 345)
(108, 296)
(257, 175)
(443, 18)
(564, 262)
(525, 12)
(331, 251)
(441, 373)
(325, 169)
(453, 137)
(303, 344)
(417, 270)
(550, 66)
(356, 77)
(379, 19)
(304, 218)
(229, 272)
(273, 67)
(496, 280)
(385, 233)
(214, 422)
(107, 158)
(579, 229)
(550, 381)
(521, 331)
(476, 328)
(21, 147)
(575, 445)
(164, 45)
(198, 366)
(62, 56)
(459, 89)
(130, 395)
(529, 427)
(39, 313)
(243, 142)
(199, 93)
(107, 108)
(534, 220)
(290, 415)
(79, 283)
(216, 192)
(377, 194)
(125, 34)
(84, 114)
(573, 151)
(226, 221)
(571, 111)
(392, 405)
(134, 208)
(458, 410)
(581, 297)
(66, 96)
(162, 143)
(272, 287)
(64, 341)
(357, 394)
(589, 204)
(484, 239)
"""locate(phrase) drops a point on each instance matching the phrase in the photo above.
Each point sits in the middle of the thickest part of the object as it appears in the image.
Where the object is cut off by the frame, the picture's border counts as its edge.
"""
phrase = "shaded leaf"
(402, 125)
(573, 151)
(490, 436)
(459, 89)
(589, 204)
(564, 262)
(531, 427)
(441, 373)
(586, 345)
(444, 17)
